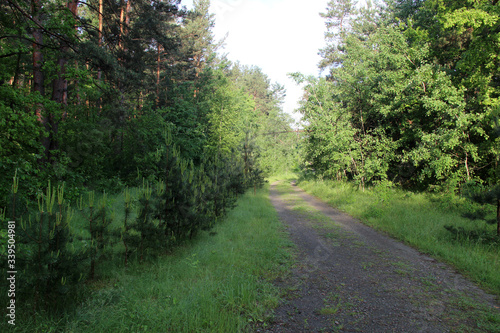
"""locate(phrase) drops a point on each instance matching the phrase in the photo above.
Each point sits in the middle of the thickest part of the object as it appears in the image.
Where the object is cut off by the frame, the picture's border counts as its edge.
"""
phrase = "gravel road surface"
(351, 278)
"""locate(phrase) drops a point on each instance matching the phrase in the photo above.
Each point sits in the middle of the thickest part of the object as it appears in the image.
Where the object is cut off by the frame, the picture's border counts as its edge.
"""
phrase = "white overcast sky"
(279, 36)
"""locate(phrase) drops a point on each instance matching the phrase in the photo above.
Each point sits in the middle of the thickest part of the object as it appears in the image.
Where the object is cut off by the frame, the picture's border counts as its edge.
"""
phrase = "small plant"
(484, 196)
(97, 215)
(143, 235)
(328, 311)
(46, 243)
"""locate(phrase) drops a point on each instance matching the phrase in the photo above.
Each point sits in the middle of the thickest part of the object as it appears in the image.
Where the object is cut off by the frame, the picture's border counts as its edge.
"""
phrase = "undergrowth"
(219, 282)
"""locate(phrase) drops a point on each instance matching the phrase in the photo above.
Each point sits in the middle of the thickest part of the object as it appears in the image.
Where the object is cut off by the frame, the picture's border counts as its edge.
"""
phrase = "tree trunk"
(498, 217)
(38, 77)
(158, 76)
(127, 16)
(15, 79)
(197, 68)
(99, 42)
(60, 86)
(124, 21)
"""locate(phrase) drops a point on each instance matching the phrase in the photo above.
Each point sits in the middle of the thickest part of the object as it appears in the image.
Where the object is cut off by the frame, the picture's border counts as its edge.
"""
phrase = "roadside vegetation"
(406, 121)
(219, 282)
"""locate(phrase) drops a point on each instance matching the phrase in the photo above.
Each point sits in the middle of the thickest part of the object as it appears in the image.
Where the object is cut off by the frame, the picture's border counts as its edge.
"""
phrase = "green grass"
(419, 220)
(220, 282)
(327, 311)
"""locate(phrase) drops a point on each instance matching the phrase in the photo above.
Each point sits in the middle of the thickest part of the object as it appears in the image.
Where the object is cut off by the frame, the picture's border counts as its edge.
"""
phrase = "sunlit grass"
(221, 283)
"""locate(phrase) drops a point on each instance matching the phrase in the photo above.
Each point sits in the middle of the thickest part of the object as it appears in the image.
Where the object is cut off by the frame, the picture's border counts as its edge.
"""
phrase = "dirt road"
(350, 278)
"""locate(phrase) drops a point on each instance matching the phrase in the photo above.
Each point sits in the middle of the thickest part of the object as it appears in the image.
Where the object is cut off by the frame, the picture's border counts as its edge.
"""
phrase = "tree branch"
(28, 16)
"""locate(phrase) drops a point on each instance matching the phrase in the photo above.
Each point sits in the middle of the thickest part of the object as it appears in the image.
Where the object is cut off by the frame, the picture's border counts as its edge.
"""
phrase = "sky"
(279, 36)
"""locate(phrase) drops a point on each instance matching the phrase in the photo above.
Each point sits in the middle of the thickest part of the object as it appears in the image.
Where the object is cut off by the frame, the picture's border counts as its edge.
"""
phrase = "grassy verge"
(419, 220)
(220, 282)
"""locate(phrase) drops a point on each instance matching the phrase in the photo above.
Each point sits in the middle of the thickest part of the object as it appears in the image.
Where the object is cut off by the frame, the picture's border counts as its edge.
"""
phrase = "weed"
(358, 244)
(402, 272)
(366, 265)
(402, 268)
(327, 311)
(402, 265)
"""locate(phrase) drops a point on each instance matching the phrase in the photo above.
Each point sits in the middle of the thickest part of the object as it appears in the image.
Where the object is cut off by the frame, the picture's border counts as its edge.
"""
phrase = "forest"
(126, 132)
(122, 99)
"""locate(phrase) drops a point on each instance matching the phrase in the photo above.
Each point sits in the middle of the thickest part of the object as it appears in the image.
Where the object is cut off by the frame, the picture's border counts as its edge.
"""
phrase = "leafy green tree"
(461, 39)
(270, 127)
(228, 106)
(391, 109)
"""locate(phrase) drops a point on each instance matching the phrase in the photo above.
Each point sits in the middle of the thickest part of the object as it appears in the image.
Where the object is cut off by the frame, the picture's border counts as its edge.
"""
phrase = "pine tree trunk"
(124, 23)
(38, 77)
(122, 20)
(60, 85)
(158, 76)
(197, 72)
(15, 79)
(99, 42)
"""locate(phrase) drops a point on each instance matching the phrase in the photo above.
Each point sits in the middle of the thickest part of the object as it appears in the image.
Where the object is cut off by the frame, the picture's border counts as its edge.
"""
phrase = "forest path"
(351, 278)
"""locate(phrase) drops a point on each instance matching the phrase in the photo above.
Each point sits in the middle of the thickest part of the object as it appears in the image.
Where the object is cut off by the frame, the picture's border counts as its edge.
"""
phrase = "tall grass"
(419, 220)
(220, 282)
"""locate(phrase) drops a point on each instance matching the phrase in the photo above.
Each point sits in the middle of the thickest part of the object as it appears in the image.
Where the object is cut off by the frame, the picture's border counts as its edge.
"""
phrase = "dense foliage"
(411, 94)
(403, 99)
